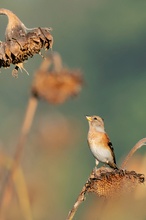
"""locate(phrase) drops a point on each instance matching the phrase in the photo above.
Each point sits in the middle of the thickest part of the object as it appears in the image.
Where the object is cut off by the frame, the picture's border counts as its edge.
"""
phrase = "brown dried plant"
(108, 183)
(27, 123)
(54, 83)
(21, 42)
(63, 81)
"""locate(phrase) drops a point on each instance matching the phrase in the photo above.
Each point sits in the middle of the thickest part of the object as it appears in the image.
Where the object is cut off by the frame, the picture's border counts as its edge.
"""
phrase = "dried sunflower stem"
(138, 145)
(79, 200)
(30, 112)
(57, 61)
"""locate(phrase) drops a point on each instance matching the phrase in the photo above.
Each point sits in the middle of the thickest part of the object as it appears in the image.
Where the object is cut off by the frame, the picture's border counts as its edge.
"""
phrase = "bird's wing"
(112, 149)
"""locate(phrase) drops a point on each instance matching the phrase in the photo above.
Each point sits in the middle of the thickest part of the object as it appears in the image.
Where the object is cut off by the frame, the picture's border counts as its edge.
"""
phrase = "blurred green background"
(106, 39)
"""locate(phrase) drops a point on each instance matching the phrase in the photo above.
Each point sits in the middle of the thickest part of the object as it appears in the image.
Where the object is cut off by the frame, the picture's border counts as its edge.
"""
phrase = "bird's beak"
(89, 118)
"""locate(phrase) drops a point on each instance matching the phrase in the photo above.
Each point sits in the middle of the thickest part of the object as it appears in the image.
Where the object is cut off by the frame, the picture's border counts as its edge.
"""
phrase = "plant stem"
(138, 145)
(28, 119)
(79, 200)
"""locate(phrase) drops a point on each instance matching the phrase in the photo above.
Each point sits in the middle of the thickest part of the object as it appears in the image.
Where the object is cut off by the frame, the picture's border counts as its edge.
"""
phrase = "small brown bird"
(99, 142)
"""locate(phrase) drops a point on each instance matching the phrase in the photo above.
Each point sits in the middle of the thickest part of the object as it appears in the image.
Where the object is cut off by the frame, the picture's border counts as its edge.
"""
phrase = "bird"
(99, 142)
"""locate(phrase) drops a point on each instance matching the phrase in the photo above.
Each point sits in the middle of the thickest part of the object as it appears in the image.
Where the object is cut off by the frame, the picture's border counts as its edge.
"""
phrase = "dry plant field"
(39, 172)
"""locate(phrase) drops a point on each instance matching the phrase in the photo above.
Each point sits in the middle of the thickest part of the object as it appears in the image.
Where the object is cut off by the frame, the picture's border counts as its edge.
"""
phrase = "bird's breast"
(101, 152)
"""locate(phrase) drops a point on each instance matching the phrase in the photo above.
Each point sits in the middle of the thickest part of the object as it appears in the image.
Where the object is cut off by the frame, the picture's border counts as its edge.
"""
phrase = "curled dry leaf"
(56, 84)
(21, 42)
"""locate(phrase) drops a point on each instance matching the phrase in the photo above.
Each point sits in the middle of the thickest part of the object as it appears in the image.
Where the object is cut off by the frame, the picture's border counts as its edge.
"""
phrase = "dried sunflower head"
(21, 42)
(55, 84)
(111, 183)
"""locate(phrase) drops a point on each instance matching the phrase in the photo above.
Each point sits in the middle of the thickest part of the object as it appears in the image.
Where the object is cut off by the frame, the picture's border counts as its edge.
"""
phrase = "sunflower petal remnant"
(21, 42)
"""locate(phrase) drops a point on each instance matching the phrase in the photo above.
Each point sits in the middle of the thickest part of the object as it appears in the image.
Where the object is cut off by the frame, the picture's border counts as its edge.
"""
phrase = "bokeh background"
(106, 40)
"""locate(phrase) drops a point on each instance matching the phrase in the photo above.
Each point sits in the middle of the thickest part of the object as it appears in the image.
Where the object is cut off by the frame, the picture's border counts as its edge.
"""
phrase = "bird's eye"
(95, 118)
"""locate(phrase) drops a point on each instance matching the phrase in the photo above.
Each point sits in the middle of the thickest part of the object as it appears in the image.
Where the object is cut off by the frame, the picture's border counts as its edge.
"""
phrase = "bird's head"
(96, 122)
